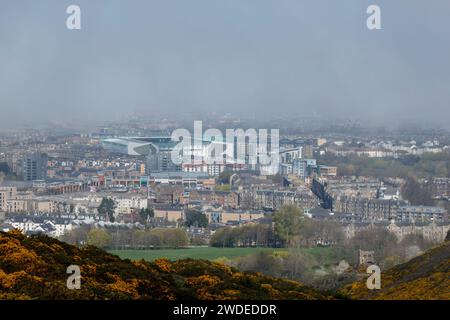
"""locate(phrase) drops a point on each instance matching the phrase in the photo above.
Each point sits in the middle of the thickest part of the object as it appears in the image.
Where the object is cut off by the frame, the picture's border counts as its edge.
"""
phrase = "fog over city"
(243, 57)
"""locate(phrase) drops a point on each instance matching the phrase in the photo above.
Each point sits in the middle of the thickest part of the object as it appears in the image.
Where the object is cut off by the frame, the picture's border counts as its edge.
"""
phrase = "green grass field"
(207, 253)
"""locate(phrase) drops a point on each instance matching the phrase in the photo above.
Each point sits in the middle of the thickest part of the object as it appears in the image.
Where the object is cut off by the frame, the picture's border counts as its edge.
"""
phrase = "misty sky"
(257, 57)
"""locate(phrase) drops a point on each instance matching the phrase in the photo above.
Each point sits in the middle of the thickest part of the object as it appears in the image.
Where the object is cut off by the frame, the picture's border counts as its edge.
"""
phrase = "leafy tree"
(168, 237)
(259, 235)
(198, 241)
(4, 168)
(413, 191)
(247, 201)
(224, 237)
(224, 177)
(324, 231)
(297, 263)
(176, 238)
(106, 209)
(264, 262)
(76, 236)
(139, 239)
(98, 238)
(146, 214)
(196, 218)
(288, 222)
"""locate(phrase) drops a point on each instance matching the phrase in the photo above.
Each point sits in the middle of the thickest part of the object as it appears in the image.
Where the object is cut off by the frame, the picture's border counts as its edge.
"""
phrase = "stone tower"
(366, 257)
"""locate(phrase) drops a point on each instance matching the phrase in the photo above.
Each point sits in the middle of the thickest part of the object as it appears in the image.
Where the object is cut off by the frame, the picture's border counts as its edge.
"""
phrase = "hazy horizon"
(261, 59)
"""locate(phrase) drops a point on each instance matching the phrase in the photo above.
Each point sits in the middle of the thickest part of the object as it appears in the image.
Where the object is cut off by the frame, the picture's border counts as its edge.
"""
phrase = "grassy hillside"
(425, 277)
(35, 268)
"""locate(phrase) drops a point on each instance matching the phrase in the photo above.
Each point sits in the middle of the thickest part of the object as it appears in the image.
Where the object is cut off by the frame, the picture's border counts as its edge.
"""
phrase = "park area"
(207, 253)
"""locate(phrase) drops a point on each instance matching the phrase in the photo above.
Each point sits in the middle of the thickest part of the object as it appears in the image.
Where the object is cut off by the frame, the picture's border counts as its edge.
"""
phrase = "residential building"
(34, 167)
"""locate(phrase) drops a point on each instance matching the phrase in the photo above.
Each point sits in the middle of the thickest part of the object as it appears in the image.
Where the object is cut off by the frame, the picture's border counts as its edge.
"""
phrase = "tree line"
(254, 235)
(425, 165)
(116, 238)
(290, 228)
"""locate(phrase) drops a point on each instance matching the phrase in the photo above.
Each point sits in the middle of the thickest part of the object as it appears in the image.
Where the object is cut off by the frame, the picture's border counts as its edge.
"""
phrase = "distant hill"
(35, 268)
(426, 277)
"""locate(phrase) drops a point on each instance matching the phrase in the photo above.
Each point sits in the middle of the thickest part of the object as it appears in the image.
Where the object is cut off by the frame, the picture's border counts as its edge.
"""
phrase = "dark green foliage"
(106, 209)
(146, 214)
(195, 218)
(224, 177)
(259, 235)
(288, 222)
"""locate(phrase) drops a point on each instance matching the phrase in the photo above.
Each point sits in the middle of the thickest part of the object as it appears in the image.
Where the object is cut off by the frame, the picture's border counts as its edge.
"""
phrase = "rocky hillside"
(35, 268)
(424, 277)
